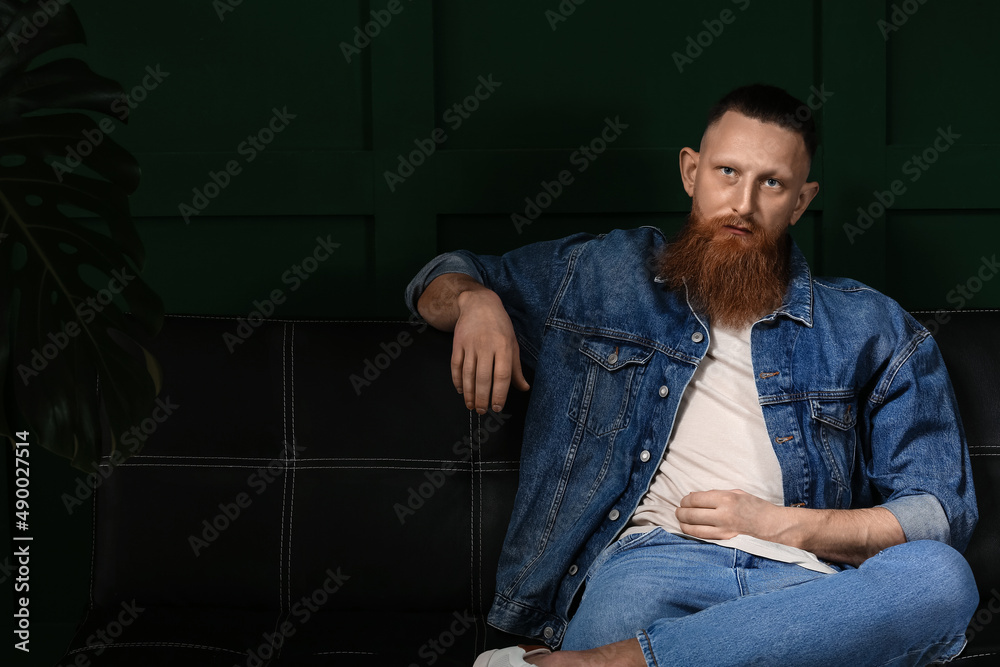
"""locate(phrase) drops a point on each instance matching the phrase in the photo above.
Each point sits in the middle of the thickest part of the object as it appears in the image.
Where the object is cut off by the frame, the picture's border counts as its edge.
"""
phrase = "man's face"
(752, 169)
(748, 184)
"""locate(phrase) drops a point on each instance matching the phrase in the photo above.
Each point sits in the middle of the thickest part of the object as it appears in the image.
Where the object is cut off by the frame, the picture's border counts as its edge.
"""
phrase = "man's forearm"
(842, 536)
(439, 304)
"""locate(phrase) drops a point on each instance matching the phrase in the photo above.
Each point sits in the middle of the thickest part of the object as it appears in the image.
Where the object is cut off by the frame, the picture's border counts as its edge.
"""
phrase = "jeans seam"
(604, 557)
(936, 659)
(649, 643)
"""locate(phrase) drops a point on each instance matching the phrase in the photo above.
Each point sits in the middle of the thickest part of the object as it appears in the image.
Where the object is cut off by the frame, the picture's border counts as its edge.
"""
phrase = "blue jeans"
(694, 603)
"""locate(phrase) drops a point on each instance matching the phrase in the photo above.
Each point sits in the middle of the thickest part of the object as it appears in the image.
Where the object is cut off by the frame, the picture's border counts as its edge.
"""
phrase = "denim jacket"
(855, 396)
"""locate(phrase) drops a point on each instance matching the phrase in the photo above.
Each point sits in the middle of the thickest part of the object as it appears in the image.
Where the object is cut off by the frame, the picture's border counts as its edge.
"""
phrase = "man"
(734, 461)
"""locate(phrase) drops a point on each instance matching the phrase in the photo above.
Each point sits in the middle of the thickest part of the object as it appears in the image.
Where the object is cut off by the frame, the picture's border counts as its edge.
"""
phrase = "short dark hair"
(769, 104)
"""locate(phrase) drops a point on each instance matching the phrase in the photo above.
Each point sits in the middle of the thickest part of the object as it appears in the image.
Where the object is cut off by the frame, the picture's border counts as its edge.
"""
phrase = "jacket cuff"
(448, 262)
(921, 518)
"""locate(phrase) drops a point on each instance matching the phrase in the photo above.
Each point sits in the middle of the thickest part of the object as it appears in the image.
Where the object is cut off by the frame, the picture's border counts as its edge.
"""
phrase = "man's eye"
(773, 182)
(728, 171)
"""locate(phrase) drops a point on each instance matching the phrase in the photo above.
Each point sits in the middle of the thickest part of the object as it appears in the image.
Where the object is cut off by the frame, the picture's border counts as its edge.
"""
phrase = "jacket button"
(664, 390)
(573, 569)
(613, 357)
(697, 337)
(613, 515)
(644, 455)
(548, 632)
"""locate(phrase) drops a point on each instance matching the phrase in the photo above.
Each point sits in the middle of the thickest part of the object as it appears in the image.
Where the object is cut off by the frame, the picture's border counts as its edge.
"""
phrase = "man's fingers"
(469, 379)
(519, 380)
(696, 516)
(484, 374)
(700, 499)
(501, 381)
(708, 532)
(457, 366)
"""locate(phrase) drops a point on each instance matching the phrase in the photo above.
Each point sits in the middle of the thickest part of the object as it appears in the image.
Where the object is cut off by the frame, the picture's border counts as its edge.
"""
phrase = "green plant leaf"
(62, 280)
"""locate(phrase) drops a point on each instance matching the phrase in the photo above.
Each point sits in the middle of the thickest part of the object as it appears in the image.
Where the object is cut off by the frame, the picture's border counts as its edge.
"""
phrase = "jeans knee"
(943, 578)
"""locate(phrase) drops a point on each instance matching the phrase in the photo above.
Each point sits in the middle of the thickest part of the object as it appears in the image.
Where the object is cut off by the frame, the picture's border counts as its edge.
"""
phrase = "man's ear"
(807, 193)
(689, 168)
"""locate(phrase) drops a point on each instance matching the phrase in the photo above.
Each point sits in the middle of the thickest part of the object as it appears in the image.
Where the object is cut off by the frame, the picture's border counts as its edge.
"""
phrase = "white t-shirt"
(720, 441)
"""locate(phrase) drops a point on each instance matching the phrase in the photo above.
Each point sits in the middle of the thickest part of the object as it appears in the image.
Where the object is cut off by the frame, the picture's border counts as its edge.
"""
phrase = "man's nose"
(744, 200)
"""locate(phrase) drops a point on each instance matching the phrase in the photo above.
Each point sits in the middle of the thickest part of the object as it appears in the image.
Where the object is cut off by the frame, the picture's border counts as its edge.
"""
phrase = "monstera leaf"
(62, 182)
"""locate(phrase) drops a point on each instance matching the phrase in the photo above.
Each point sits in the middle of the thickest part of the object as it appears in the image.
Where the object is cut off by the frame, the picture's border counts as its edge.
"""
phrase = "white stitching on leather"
(93, 533)
(324, 458)
(970, 310)
(973, 657)
(175, 644)
(93, 549)
(291, 502)
(201, 465)
(476, 610)
(472, 525)
(233, 318)
(284, 472)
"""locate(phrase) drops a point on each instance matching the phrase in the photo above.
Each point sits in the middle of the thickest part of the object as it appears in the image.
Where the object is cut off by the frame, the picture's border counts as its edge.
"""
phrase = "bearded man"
(725, 461)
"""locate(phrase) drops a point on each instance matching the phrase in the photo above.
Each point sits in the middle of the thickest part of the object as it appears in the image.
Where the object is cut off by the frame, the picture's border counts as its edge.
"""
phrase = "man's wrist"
(795, 526)
(473, 293)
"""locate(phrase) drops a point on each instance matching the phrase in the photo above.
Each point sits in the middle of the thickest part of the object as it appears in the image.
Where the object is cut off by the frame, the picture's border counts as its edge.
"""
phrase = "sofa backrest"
(969, 344)
(289, 451)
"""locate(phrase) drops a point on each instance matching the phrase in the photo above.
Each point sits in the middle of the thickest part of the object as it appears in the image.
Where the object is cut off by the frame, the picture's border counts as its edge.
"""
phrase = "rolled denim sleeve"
(919, 454)
(448, 262)
(526, 279)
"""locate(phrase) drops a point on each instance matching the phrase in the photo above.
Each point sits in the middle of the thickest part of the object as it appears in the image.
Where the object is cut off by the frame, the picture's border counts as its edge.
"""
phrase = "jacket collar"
(798, 301)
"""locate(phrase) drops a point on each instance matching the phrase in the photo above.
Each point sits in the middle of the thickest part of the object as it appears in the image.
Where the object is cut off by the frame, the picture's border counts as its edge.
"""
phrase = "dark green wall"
(889, 92)
(892, 79)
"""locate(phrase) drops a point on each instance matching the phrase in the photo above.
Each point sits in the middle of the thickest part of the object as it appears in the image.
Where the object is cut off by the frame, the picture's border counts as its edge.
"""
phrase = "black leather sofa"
(317, 494)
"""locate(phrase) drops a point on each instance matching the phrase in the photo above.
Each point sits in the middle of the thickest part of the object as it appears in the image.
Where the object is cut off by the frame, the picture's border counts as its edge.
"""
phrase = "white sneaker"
(512, 656)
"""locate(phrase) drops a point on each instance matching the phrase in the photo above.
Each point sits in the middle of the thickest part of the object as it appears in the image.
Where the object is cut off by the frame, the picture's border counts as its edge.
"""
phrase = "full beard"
(733, 279)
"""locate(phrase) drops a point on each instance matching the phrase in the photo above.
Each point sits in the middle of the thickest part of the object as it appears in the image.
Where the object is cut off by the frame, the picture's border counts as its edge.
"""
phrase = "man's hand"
(841, 536)
(720, 515)
(485, 350)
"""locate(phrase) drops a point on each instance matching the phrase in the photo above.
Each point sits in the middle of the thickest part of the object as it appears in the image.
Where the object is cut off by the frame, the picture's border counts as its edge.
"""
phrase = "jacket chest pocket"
(606, 377)
(834, 420)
